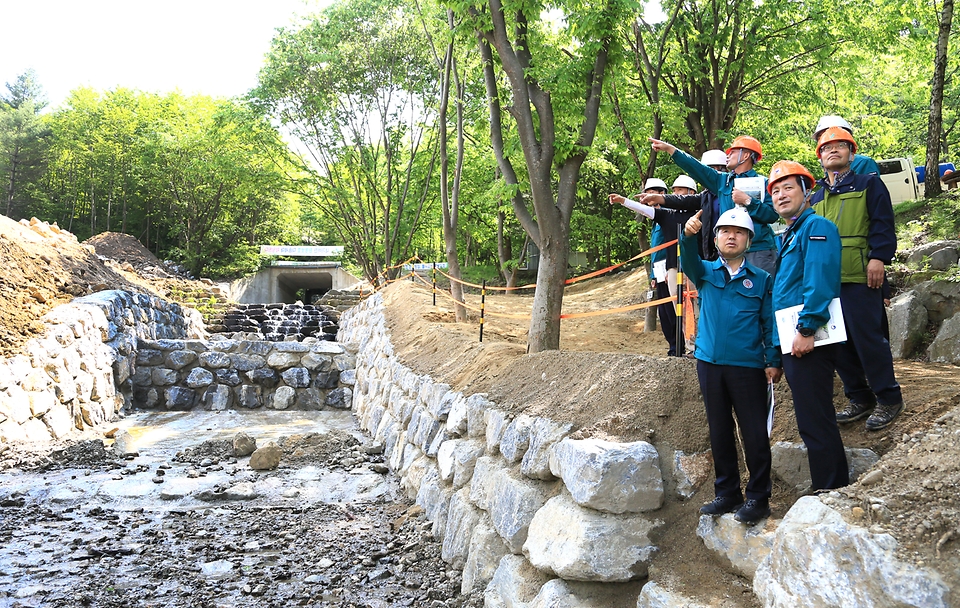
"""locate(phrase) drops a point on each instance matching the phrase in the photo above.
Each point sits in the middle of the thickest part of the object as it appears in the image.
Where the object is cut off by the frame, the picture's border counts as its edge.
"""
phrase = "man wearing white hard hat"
(684, 186)
(861, 164)
(667, 225)
(736, 359)
(738, 185)
(706, 201)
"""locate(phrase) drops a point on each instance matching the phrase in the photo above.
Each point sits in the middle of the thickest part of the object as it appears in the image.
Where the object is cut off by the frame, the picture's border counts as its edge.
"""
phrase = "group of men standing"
(838, 239)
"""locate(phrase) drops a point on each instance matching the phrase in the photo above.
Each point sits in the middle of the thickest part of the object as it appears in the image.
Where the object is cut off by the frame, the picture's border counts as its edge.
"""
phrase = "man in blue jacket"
(736, 359)
(860, 207)
(706, 201)
(742, 155)
(809, 276)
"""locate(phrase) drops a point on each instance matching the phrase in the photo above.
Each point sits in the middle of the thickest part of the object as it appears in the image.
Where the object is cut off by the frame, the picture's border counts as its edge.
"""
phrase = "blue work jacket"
(736, 315)
(761, 211)
(808, 269)
(863, 165)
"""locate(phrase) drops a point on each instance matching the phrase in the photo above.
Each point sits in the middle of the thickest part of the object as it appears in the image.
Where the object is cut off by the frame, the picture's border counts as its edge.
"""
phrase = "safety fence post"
(434, 283)
(483, 299)
(681, 343)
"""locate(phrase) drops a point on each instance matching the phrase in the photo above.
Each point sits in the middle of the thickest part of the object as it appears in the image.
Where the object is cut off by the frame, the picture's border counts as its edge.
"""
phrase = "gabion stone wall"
(222, 374)
(279, 322)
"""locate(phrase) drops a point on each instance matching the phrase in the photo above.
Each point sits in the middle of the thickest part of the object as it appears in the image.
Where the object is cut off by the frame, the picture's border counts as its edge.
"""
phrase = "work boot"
(753, 511)
(721, 505)
(853, 411)
(883, 416)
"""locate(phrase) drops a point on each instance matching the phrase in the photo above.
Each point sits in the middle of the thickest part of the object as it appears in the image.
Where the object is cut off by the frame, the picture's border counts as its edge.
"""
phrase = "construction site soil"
(610, 379)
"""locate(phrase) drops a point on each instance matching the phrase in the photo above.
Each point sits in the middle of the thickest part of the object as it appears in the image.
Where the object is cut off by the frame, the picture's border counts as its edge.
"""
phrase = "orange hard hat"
(836, 134)
(747, 143)
(785, 168)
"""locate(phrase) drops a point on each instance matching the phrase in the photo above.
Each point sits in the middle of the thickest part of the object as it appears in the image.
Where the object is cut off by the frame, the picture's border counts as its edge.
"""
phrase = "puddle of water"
(176, 430)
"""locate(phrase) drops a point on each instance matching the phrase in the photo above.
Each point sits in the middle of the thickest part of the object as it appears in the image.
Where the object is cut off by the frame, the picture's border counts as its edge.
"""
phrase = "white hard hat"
(831, 121)
(735, 217)
(684, 181)
(654, 182)
(714, 157)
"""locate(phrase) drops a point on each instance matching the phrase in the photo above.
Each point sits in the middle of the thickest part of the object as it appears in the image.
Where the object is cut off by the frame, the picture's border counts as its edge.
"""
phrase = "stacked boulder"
(280, 322)
(74, 375)
(929, 308)
(223, 374)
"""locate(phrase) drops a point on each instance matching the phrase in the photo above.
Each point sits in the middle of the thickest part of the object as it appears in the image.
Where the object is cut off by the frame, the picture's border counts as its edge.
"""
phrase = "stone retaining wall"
(78, 373)
(538, 519)
(515, 501)
(220, 374)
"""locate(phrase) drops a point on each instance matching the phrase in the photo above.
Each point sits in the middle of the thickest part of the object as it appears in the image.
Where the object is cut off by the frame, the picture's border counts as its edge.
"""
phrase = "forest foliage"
(338, 145)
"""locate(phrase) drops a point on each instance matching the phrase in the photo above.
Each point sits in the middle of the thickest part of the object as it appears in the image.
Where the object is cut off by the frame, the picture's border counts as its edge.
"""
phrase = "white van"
(900, 178)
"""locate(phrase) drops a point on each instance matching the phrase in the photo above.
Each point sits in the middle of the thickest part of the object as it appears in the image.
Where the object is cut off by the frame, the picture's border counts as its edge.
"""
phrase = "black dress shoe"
(721, 505)
(753, 511)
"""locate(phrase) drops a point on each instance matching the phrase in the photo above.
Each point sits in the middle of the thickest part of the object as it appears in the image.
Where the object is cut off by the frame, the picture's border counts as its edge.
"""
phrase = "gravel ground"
(82, 526)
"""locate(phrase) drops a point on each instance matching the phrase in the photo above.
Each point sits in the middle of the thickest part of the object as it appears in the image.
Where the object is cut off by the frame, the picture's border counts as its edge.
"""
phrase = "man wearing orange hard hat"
(808, 278)
(742, 154)
(860, 207)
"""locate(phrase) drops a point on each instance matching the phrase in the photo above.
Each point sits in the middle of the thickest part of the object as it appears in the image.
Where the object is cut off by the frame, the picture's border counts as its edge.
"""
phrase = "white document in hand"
(752, 186)
(834, 331)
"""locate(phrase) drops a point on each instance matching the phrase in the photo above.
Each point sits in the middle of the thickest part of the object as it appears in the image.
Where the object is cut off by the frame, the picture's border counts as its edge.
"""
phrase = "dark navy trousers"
(811, 382)
(668, 318)
(864, 362)
(728, 390)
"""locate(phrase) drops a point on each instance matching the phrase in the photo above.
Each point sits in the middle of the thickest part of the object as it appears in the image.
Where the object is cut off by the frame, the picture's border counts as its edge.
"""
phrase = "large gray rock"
(609, 476)
(940, 298)
(497, 422)
(283, 397)
(484, 555)
(514, 503)
(907, 319)
(477, 404)
(514, 584)
(544, 435)
(740, 547)
(945, 348)
(655, 595)
(434, 497)
(483, 482)
(577, 543)
(818, 560)
(916, 255)
(199, 378)
(558, 593)
(462, 518)
(944, 259)
(790, 464)
(456, 460)
(516, 438)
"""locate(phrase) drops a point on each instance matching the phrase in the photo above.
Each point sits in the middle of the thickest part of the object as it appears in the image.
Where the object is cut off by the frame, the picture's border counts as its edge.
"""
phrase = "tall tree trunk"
(450, 200)
(935, 119)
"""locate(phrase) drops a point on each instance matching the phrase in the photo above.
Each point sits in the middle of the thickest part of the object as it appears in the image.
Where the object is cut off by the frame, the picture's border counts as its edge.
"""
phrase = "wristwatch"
(806, 332)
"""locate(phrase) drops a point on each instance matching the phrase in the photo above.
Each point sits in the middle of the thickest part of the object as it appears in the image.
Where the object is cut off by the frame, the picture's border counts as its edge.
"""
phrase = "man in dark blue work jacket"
(809, 276)
(735, 361)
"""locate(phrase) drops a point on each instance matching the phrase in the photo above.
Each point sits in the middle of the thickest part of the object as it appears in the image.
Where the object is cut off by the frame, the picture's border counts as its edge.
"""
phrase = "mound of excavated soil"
(123, 248)
(44, 266)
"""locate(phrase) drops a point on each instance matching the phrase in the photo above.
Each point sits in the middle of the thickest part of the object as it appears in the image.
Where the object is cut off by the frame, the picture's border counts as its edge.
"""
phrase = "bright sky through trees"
(212, 47)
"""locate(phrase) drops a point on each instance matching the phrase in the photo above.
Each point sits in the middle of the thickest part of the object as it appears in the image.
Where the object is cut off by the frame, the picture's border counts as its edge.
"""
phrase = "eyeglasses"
(839, 145)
